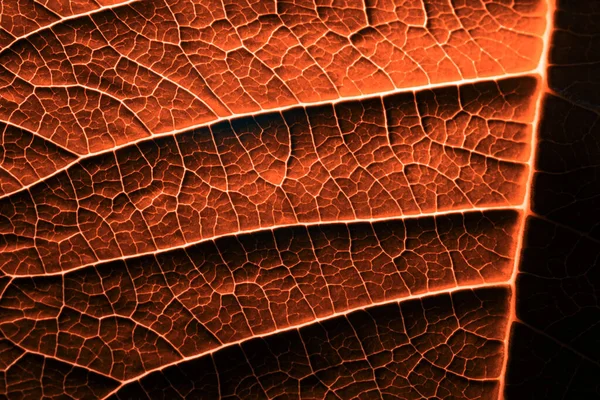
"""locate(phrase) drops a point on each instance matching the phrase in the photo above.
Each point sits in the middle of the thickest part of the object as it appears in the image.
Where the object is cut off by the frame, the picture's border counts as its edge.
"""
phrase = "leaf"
(305, 199)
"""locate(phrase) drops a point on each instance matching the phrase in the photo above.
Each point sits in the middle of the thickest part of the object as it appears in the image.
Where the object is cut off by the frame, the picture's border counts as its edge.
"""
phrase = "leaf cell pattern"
(316, 199)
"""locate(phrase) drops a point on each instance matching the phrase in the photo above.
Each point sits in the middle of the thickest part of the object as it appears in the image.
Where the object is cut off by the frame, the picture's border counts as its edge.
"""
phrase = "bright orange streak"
(541, 70)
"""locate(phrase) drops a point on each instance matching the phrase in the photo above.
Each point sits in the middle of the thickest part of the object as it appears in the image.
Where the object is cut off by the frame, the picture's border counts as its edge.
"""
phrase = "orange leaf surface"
(316, 199)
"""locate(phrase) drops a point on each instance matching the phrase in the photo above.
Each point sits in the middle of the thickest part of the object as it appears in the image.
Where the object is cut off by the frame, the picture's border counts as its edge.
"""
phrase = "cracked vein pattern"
(124, 318)
(445, 346)
(84, 76)
(488, 118)
(406, 154)
(143, 67)
(316, 199)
